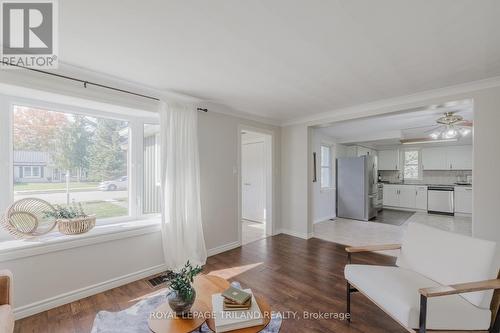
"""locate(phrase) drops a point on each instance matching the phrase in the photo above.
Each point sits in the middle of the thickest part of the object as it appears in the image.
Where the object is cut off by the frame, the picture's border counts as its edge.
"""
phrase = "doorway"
(256, 185)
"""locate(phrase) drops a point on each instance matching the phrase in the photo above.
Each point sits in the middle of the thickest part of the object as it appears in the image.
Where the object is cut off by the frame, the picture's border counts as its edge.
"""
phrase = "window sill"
(16, 249)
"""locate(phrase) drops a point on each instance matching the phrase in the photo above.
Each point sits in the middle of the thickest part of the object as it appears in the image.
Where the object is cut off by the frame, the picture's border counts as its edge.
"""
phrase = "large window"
(411, 164)
(64, 157)
(326, 167)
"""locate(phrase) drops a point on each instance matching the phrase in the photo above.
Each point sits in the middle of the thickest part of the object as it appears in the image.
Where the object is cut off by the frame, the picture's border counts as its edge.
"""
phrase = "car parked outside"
(114, 185)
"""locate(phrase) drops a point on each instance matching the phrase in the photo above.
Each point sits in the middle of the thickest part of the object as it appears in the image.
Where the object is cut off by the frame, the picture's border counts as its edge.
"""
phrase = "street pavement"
(60, 198)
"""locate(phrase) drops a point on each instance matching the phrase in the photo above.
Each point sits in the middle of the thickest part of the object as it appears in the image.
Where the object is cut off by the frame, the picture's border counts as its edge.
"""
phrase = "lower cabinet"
(405, 196)
(463, 200)
(391, 195)
(421, 197)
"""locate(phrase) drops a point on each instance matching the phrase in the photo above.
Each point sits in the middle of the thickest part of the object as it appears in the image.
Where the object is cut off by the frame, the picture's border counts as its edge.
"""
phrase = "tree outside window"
(411, 164)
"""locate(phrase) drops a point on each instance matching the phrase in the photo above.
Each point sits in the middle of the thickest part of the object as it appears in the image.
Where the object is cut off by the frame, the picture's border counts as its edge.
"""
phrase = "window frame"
(329, 167)
(419, 163)
(135, 150)
(31, 168)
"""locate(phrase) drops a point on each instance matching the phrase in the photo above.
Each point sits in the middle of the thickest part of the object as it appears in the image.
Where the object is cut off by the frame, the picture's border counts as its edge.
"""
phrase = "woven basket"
(27, 218)
(78, 225)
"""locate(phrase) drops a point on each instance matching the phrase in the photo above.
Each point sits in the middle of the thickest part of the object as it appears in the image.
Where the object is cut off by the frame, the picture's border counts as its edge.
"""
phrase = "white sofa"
(441, 281)
(6, 314)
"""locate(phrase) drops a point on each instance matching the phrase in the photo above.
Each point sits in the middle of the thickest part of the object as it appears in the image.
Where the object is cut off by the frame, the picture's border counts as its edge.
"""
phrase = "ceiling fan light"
(450, 133)
(465, 131)
(435, 135)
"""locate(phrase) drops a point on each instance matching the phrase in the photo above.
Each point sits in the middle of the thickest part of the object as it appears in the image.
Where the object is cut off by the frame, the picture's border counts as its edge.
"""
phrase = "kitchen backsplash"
(429, 177)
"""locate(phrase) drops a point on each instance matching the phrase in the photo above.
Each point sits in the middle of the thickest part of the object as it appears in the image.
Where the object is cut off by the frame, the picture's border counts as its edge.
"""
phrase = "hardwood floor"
(294, 274)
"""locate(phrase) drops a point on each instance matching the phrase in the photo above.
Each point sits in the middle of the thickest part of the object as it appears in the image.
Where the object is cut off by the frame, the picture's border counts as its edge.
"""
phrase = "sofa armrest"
(5, 287)
(372, 248)
(460, 288)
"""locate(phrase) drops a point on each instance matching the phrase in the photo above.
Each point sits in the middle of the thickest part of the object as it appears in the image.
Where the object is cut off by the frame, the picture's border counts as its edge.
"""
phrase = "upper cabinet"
(388, 159)
(365, 151)
(356, 151)
(459, 157)
(447, 158)
(434, 158)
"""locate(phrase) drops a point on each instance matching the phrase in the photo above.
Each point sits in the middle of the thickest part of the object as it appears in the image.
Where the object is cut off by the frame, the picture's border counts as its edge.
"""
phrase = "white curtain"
(182, 229)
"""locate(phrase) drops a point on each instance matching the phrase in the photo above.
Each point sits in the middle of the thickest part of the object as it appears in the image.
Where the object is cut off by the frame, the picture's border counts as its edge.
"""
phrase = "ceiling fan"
(450, 126)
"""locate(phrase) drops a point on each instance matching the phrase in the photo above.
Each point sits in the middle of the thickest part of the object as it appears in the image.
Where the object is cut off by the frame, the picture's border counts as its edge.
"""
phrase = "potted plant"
(182, 294)
(72, 220)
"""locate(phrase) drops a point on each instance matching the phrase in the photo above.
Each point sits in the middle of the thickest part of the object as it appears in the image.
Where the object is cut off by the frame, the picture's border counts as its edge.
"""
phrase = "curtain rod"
(86, 83)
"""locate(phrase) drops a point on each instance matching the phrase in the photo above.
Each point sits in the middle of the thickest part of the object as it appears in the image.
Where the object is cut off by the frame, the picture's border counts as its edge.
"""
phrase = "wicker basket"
(27, 218)
(78, 225)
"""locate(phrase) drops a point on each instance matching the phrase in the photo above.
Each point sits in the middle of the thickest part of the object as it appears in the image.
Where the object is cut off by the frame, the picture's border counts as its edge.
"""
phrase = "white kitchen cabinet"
(388, 159)
(434, 158)
(447, 158)
(463, 200)
(459, 157)
(362, 151)
(421, 197)
(391, 195)
(407, 196)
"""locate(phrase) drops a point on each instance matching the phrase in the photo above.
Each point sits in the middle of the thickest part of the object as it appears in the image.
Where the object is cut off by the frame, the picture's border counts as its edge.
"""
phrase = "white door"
(391, 197)
(388, 159)
(460, 157)
(421, 200)
(407, 196)
(434, 158)
(463, 200)
(253, 181)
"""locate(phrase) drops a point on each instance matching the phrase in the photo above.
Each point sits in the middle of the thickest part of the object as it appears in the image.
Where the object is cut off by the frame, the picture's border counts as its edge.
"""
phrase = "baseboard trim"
(323, 219)
(74, 295)
(294, 233)
(53, 302)
(223, 248)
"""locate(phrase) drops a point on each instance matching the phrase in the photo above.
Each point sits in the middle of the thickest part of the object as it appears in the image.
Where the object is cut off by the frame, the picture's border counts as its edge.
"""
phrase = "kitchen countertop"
(413, 184)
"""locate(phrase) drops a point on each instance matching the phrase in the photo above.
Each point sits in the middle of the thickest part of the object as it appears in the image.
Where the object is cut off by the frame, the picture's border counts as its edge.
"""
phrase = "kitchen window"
(326, 167)
(412, 170)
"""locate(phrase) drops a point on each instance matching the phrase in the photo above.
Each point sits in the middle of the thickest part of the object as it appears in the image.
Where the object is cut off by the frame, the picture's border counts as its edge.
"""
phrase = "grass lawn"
(52, 186)
(104, 209)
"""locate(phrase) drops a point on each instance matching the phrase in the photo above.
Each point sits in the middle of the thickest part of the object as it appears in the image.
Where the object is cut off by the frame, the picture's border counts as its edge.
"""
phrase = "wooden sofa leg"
(495, 328)
(348, 310)
(423, 314)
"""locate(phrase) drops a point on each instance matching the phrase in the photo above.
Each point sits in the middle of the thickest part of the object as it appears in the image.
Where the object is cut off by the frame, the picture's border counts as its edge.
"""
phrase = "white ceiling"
(388, 129)
(285, 59)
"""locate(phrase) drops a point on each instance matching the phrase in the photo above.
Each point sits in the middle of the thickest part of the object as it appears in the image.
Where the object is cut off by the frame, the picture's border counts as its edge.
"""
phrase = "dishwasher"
(440, 200)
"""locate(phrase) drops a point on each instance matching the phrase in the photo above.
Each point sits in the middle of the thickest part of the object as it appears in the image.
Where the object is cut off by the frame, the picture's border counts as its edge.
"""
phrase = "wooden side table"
(206, 286)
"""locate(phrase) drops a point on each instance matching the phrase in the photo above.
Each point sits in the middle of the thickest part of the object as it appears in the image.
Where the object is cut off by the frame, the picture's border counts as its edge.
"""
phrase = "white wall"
(48, 280)
(51, 279)
(486, 190)
(295, 178)
(323, 200)
(218, 142)
(486, 160)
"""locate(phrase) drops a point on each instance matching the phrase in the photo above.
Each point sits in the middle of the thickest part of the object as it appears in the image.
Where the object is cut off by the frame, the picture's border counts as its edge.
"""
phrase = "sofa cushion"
(449, 258)
(395, 290)
(6, 319)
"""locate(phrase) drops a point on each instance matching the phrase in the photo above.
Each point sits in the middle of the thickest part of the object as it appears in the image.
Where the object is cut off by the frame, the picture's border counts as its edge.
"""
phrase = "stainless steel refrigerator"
(357, 187)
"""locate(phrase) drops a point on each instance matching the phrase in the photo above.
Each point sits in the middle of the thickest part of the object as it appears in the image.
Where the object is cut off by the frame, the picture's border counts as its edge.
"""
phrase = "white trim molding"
(223, 248)
(17, 249)
(74, 295)
(298, 234)
(369, 109)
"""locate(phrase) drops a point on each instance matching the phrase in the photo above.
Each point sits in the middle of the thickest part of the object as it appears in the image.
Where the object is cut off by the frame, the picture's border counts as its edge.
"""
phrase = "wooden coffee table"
(205, 286)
